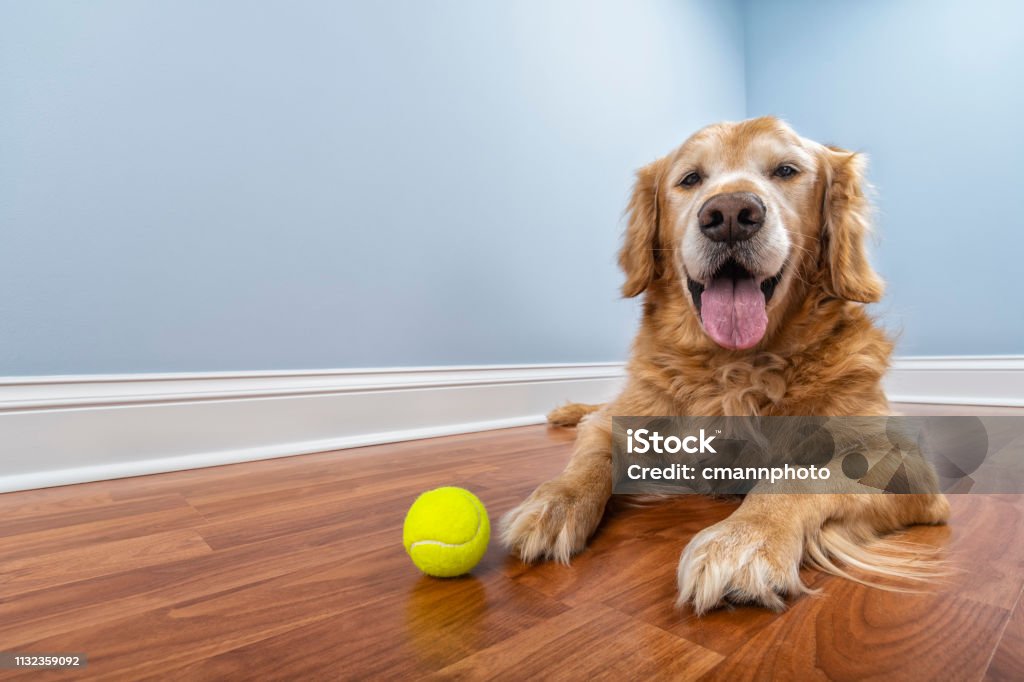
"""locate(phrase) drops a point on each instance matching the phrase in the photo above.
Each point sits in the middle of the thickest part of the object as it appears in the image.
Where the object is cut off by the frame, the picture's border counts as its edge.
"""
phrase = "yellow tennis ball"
(446, 532)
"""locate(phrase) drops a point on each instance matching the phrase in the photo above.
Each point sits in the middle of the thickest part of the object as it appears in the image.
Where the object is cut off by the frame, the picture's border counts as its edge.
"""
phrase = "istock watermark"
(893, 455)
(652, 441)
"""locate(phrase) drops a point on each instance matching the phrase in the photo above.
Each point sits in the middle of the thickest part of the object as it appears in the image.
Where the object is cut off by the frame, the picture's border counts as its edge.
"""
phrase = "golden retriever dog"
(747, 243)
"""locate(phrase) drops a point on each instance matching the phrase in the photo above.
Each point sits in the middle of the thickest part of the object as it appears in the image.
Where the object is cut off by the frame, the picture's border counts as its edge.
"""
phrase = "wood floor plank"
(588, 642)
(1007, 663)
(96, 524)
(352, 490)
(201, 627)
(82, 605)
(14, 507)
(92, 513)
(293, 569)
(384, 500)
(403, 633)
(337, 509)
(853, 632)
(360, 590)
(81, 563)
(984, 547)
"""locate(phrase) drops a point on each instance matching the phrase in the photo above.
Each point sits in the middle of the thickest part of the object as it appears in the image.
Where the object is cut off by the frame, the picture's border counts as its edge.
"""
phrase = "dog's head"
(744, 217)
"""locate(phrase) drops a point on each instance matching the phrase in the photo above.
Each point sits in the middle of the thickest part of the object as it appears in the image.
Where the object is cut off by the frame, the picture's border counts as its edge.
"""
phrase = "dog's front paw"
(552, 523)
(740, 561)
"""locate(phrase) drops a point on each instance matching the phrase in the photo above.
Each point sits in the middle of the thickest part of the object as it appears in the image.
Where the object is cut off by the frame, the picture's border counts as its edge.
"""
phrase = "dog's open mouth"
(732, 306)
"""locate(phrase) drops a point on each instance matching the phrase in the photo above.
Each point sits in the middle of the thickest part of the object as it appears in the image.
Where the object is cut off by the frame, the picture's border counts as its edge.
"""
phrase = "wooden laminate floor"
(293, 569)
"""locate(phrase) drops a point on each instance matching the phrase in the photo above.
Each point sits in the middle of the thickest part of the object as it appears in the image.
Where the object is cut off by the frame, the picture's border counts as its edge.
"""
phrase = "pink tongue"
(733, 313)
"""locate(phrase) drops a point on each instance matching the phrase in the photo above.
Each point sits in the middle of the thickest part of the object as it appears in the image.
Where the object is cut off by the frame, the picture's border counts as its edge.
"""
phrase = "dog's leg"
(755, 554)
(556, 520)
(571, 414)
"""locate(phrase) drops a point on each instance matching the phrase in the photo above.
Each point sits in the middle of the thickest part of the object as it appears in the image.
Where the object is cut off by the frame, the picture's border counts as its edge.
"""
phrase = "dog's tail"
(885, 563)
(571, 414)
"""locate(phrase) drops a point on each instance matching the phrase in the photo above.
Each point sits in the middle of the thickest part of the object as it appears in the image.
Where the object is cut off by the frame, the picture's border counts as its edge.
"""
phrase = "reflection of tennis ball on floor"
(446, 532)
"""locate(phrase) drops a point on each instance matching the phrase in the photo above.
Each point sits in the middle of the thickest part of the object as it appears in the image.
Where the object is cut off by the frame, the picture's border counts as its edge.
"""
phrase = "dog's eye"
(690, 180)
(785, 171)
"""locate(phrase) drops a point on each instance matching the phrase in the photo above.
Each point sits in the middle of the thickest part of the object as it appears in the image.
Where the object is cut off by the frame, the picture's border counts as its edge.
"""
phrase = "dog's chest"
(757, 386)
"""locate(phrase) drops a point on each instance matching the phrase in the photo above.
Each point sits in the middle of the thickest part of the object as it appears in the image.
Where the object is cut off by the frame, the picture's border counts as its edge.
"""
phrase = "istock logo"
(652, 441)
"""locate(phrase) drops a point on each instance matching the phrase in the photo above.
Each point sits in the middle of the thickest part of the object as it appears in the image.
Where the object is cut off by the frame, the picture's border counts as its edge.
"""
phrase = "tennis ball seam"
(476, 533)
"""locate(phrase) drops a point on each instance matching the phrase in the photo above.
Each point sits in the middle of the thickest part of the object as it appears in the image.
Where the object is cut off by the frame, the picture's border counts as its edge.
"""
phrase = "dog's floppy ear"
(640, 257)
(846, 224)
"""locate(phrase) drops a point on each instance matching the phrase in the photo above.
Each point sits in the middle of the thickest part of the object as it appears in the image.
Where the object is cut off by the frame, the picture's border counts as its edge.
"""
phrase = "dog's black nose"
(731, 217)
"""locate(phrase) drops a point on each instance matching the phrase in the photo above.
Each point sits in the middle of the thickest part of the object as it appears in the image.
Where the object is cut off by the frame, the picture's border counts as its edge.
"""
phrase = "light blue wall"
(190, 185)
(214, 186)
(933, 91)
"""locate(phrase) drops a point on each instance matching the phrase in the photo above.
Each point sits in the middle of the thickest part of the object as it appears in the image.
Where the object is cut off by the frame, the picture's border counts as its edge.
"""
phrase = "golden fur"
(821, 355)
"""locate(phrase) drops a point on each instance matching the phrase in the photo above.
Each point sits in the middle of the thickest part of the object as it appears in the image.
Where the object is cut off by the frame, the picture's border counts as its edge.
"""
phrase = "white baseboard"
(990, 381)
(60, 430)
